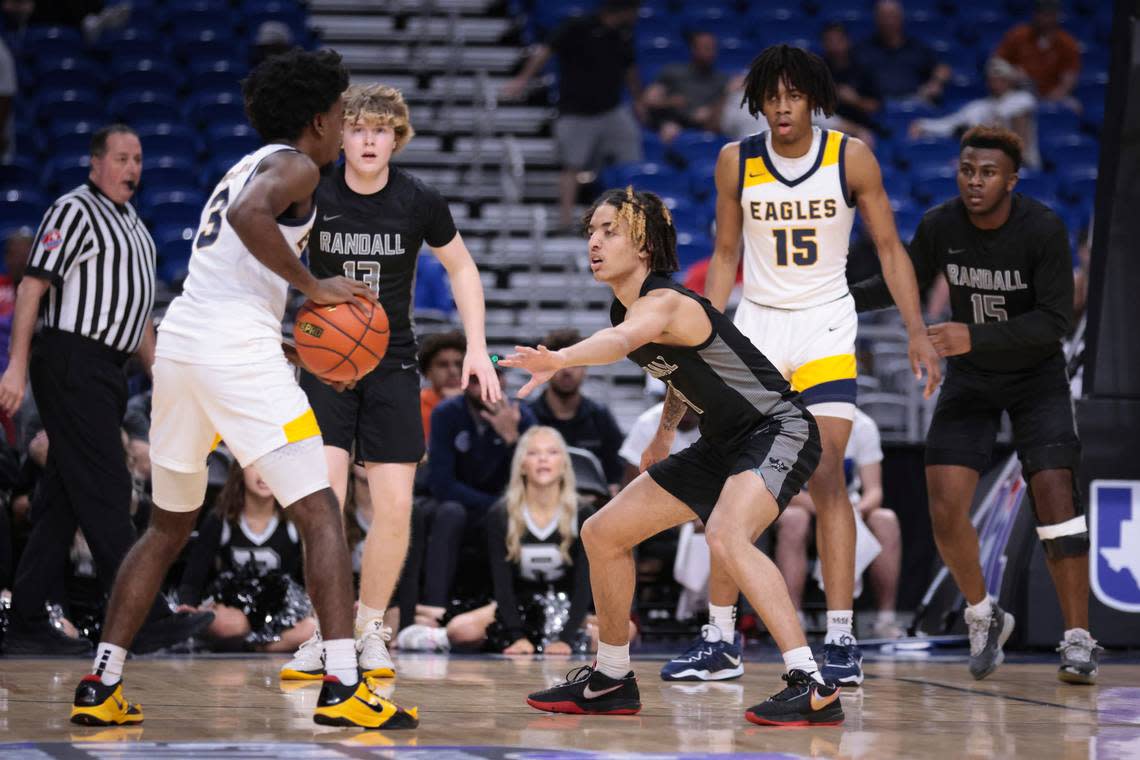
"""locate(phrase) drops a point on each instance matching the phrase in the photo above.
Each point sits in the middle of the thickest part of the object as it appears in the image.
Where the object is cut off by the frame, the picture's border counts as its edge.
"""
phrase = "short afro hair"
(563, 337)
(995, 138)
(285, 92)
(441, 341)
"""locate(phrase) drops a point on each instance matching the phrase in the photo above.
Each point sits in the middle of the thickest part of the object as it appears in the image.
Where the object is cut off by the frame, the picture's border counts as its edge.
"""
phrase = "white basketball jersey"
(231, 306)
(796, 231)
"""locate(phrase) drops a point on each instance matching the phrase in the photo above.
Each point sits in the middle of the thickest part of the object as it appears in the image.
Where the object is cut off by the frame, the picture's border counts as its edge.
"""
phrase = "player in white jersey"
(790, 194)
(220, 374)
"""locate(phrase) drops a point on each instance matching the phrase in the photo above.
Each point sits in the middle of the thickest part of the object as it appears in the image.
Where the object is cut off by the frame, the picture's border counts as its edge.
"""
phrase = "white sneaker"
(375, 662)
(423, 638)
(308, 663)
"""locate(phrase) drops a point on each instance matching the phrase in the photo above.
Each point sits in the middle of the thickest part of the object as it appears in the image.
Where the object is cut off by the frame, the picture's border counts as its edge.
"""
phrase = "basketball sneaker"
(842, 663)
(97, 704)
(360, 706)
(423, 638)
(987, 636)
(587, 691)
(803, 702)
(710, 658)
(308, 663)
(372, 650)
(1079, 657)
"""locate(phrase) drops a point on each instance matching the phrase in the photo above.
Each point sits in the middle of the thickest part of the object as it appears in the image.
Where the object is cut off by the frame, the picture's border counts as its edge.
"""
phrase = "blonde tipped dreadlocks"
(647, 221)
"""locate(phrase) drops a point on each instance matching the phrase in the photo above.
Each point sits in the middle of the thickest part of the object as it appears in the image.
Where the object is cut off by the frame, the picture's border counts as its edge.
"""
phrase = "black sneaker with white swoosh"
(587, 691)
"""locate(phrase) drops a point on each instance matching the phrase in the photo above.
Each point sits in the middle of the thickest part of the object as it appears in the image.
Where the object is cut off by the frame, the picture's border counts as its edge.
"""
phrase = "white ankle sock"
(885, 617)
(801, 658)
(839, 627)
(982, 609)
(364, 615)
(109, 661)
(613, 659)
(340, 659)
(724, 618)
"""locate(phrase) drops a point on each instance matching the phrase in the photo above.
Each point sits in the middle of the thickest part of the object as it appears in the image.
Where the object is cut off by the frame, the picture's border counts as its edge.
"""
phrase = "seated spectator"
(469, 458)
(1005, 106)
(538, 567)
(865, 484)
(900, 66)
(245, 566)
(595, 64)
(642, 432)
(16, 250)
(688, 95)
(1046, 53)
(858, 95)
(583, 422)
(441, 364)
(272, 38)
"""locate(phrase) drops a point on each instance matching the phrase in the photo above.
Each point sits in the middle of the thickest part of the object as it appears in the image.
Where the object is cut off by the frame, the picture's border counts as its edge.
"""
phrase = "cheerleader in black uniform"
(245, 566)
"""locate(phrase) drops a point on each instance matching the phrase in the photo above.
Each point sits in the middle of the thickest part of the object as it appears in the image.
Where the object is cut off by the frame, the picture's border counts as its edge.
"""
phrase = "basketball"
(343, 342)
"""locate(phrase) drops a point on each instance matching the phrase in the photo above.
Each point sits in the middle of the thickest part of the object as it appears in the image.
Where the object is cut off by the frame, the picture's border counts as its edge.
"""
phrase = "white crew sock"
(724, 618)
(613, 659)
(982, 610)
(801, 658)
(109, 661)
(364, 615)
(340, 660)
(839, 627)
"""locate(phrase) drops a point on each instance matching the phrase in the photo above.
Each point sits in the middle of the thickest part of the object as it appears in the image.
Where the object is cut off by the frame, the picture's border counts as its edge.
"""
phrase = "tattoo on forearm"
(673, 411)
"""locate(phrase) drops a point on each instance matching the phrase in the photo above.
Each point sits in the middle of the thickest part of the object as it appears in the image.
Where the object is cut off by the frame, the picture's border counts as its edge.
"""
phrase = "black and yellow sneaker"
(587, 691)
(97, 704)
(803, 702)
(357, 705)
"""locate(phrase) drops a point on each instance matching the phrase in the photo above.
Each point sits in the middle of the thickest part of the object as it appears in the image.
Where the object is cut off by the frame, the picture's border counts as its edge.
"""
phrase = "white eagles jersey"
(231, 306)
(796, 231)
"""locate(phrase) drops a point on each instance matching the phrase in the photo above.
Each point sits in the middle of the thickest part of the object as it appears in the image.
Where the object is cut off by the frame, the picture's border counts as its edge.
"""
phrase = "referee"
(94, 261)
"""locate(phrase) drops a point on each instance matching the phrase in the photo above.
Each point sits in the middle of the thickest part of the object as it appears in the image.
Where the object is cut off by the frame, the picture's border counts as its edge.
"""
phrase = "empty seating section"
(173, 73)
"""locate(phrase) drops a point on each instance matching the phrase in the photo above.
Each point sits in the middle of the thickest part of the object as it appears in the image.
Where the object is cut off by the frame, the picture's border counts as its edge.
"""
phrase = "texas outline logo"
(1114, 535)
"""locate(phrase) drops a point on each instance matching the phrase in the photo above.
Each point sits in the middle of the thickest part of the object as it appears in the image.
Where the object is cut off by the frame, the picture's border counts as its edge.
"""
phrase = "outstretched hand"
(540, 362)
(477, 363)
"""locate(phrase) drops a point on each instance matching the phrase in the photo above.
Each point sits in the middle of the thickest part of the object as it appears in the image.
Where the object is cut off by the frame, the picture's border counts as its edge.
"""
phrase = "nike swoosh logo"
(832, 329)
(328, 218)
(953, 251)
(374, 708)
(589, 693)
(753, 176)
(407, 366)
(818, 704)
(733, 661)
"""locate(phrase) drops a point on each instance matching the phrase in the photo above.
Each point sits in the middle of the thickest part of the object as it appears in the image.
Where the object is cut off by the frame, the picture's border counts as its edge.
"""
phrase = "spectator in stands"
(595, 61)
(642, 432)
(441, 364)
(534, 549)
(8, 90)
(16, 251)
(900, 66)
(688, 95)
(1005, 106)
(469, 457)
(1045, 52)
(136, 424)
(245, 566)
(863, 463)
(859, 97)
(273, 38)
(583, 422)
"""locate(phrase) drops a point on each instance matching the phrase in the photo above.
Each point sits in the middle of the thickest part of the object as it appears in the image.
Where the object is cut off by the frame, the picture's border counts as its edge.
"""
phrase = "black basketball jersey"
(377, 239)
(1013, 285)
(227, 545)
(725, 380)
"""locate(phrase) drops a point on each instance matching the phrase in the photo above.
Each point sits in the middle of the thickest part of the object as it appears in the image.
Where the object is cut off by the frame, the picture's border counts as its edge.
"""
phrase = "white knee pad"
(295, 470)
(177, 491)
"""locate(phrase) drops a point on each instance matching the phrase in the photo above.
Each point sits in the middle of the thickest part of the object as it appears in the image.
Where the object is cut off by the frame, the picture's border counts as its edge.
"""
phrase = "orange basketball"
(343, 342)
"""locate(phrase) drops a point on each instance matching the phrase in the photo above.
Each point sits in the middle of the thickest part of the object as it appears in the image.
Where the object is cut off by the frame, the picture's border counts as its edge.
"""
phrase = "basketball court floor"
(473, 707)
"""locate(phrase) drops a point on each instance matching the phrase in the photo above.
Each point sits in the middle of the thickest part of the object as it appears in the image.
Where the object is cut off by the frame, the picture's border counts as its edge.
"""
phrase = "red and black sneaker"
(803, 702)
(587, 691)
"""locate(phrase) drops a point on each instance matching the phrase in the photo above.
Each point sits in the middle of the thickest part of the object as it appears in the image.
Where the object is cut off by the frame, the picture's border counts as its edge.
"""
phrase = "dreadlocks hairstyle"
(798, 69)
(648, 222)
(997, 138)
(285, 92)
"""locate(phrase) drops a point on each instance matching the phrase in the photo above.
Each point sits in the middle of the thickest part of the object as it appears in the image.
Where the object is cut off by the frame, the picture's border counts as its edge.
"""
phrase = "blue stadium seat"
(154, 105)
(934, 184)
(694, 146)
(191, 45)
(215, 108)
(928, 151)
(1070, 149)
(172, 209)
(172, 177)
(220, 74)
(68, 105)
(21, 171)
(692, 247)
(74, 72)
(682, 207)
(131, 73)
(64, 172)
(702, 179)
(173, 264)
(1037, 185)
(22, 207)
(432, 288)
(137, 41)
(44, 40)
(898, 187)
(652, 149)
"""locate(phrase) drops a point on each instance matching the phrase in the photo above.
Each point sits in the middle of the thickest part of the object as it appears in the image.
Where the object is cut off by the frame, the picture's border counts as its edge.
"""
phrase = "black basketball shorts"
(784, 452)
(379, 418)
(968, 416)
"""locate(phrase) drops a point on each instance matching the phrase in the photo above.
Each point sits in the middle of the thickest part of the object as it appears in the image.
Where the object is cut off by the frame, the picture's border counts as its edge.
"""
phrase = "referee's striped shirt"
(100, 260)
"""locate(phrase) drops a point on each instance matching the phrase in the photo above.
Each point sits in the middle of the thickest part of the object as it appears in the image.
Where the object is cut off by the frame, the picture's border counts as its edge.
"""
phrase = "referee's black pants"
(81, 393)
